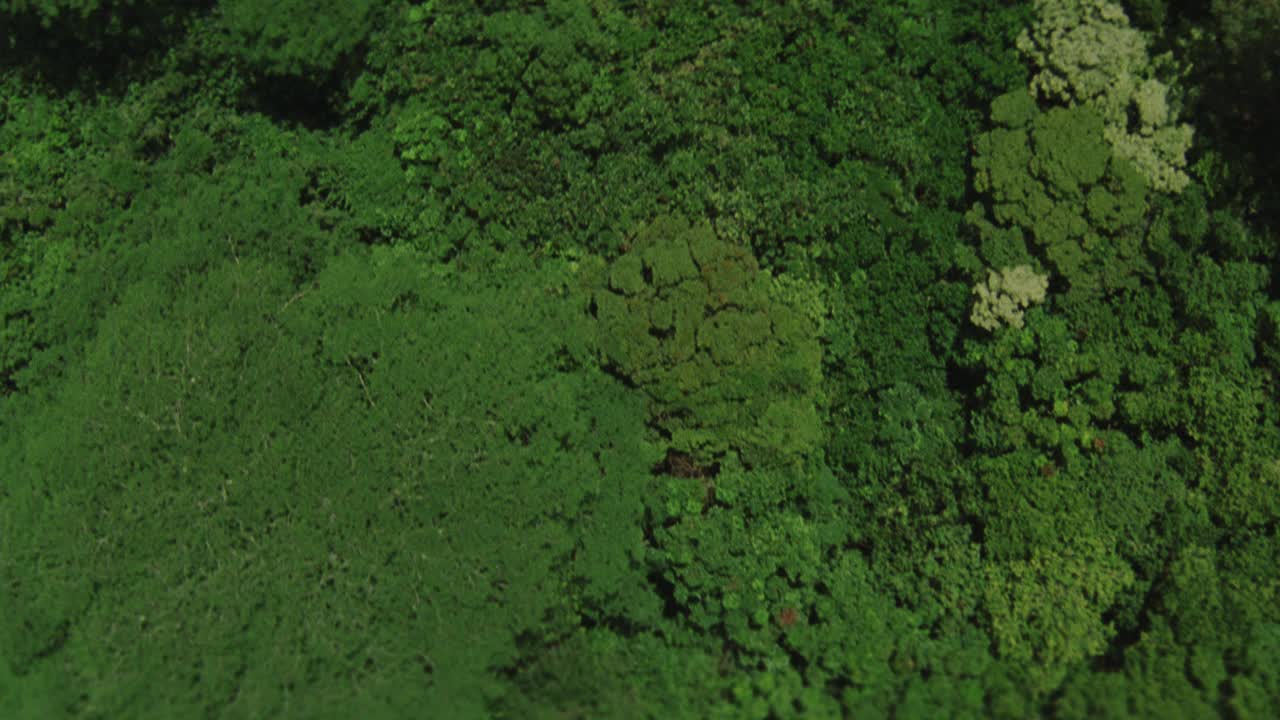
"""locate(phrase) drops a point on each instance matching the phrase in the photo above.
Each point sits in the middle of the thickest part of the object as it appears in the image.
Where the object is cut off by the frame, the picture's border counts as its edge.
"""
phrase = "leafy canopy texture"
(295, 37)
(1054, 190)
(585, 359)
(728, 361)
(1086, 52)
(1045, 610)
(424, 460)
(1004, 296)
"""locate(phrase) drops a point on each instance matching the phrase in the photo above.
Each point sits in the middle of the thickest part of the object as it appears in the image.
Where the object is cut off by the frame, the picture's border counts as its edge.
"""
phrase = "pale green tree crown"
(1002, 299)
(1087, 52)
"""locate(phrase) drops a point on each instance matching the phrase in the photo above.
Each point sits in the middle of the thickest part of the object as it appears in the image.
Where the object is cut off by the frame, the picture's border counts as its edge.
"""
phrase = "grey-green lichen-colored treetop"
(1002, 299)
(1087, 53)
(728, 362)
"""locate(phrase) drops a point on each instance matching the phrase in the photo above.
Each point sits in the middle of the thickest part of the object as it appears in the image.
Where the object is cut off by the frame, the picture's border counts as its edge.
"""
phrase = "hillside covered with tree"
(693, 359)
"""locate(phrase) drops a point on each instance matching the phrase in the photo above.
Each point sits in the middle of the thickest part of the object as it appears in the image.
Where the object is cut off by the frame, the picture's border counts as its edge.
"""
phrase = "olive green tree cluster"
(251, 468)
(728, 361)
(1087, 53)
(1059, 194)
(1045, 611)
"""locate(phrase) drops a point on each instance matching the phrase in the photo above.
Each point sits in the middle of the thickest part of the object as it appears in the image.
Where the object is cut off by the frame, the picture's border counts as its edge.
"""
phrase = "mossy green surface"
(591, 359)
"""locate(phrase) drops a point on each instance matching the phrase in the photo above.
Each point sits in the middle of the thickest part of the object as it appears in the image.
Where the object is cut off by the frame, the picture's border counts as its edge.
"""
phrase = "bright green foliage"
(728, 364)
(586, 121)
(806, 297)
(1227, 407)
(1087, 53)
(1046, 612)
(775, 584)
(33, 170)
(428, 138)
(67, 172)
(739, 563)
(254, 457)
(304, 411)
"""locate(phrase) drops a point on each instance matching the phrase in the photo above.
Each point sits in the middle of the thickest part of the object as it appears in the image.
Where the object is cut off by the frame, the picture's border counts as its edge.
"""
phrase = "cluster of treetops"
(639, 359)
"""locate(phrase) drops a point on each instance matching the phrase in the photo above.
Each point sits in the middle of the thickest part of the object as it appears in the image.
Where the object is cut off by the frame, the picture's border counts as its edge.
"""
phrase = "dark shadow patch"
(104, 51)
(296, 101)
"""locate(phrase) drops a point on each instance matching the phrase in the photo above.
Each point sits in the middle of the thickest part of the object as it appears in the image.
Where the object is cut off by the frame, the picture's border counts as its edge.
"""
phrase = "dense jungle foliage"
(639, 359)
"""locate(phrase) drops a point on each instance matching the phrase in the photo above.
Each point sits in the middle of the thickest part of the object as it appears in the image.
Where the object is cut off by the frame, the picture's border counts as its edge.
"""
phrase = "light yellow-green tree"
(1005, 295)
(1086, 52)
(1047, 610)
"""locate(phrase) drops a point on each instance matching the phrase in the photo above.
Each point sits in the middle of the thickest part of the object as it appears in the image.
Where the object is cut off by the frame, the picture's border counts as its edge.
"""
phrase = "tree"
(235, 456)
(1087, 53)
(1005, 295)
(1058, 193)
(729, 361)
